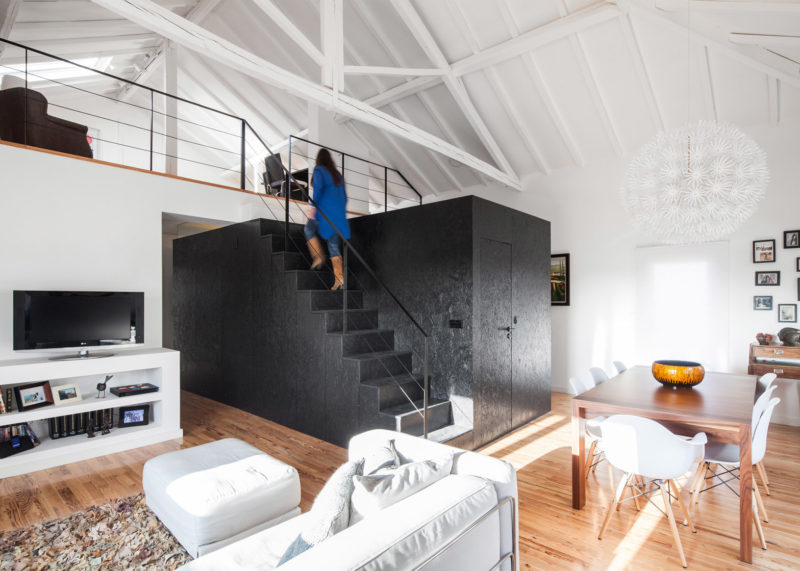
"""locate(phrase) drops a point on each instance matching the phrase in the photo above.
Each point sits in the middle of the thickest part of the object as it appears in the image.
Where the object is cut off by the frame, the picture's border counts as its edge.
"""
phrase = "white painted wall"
(584, 208)
(69, 224)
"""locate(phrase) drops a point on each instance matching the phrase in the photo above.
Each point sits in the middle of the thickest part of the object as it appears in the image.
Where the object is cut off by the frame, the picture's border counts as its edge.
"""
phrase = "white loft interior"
(536, 105)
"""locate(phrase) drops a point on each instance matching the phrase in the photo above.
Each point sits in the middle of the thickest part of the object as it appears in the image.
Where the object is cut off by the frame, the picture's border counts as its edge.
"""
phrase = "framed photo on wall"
(791, 239)
(798, 264)
(763, 251)
(768, 278)
(559, 279)
(787, 313)
(762, 302)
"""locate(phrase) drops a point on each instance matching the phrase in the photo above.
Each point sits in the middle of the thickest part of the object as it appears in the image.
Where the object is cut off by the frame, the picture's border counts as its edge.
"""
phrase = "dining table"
(721, 406)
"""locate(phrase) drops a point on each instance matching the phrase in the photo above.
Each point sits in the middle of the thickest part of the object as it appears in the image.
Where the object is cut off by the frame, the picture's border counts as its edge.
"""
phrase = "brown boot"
(338, 272)
(317, 253)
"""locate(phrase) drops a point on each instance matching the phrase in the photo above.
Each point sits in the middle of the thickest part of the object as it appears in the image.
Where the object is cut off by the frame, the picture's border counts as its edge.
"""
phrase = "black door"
(493, 350)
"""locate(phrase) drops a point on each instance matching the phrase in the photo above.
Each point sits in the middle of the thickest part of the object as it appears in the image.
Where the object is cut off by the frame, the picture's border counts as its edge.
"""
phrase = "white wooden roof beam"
(727, 7)
(332, 27)
(403, 90)
(774, 98)
(8, 16)
(152, 16)
(640, 67)
(294, 33)
(764, 40)
(403, 71)
(707, 79)
(418, 29)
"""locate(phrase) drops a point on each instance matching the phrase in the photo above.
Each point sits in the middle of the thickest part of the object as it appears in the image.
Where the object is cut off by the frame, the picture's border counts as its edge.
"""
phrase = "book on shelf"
(138, 389)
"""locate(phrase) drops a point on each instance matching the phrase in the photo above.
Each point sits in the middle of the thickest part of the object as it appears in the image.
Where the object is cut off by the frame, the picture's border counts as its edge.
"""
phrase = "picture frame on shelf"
(559, 279)
(762, 302)
(787, 313)
(33, 395)
(66, 394)
(763, 251)
(768, 278)
(137, 415)
(791, 239)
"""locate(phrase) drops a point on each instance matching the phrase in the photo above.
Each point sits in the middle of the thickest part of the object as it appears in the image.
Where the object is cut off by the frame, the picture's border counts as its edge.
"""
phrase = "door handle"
(508, 330)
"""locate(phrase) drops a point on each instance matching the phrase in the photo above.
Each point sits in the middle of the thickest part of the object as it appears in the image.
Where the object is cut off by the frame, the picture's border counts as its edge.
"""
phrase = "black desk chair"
(275, 179)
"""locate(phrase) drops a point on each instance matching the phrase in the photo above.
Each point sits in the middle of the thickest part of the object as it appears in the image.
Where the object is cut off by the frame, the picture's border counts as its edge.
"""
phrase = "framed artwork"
(137, 415)
(798, 264)
(33, 395)
(559, 279)
(66, 394)
(762, 302)
(791, 239)
(798, 289)
(768, 278)
(787, 312)
(763, 251)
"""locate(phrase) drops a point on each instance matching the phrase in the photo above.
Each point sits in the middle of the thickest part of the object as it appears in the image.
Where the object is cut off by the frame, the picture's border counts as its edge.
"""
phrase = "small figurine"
(101, 387)
(106, 422)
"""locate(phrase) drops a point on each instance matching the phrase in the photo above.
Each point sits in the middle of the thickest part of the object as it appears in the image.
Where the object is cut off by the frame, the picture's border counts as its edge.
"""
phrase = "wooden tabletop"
(719, 397)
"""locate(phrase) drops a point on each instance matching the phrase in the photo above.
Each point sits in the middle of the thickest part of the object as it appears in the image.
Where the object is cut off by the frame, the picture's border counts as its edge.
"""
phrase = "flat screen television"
(58, 319)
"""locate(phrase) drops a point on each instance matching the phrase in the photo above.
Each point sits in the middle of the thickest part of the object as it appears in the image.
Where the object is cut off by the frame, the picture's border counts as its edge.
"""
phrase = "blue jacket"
(332, 200)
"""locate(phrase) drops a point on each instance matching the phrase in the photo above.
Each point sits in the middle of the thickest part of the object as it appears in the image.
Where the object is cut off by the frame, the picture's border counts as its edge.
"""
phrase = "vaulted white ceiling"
(523, 87)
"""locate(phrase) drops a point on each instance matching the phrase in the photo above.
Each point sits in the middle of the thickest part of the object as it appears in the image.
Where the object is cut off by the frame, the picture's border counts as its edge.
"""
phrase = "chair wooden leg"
(623, 482)
(671, 517)
(589, 457)
(763, 474)
(594, 467)
(635, 492)
(759, 529)
(700, 483)
(760, 503)
(611, 475)
(687, 519)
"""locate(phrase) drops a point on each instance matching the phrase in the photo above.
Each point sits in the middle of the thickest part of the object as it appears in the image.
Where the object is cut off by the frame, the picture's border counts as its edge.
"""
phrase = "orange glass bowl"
(678, 373)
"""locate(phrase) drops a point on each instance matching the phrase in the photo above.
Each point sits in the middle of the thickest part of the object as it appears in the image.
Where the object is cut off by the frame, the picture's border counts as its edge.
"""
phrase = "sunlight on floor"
(516, 447)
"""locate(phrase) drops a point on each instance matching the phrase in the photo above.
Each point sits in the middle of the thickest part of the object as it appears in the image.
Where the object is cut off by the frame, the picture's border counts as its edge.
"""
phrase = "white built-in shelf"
(85, 405)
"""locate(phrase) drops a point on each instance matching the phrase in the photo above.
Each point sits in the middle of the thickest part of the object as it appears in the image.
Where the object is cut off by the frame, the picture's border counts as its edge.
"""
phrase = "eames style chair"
(620, 367)
(765, 381)
(578, 386)
(643, 448)
(727, 457)
(598, 375)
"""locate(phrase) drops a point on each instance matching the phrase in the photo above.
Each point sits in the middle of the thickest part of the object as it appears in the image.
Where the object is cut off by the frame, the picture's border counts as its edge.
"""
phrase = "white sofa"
(465, 521)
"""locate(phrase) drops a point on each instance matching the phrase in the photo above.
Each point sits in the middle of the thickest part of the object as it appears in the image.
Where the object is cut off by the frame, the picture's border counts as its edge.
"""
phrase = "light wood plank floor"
(552, 534)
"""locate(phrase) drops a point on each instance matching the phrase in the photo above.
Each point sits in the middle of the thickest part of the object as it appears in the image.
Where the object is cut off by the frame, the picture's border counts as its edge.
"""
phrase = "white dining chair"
(620, 367)
(598, 375)
(765, 381)
(595, 455)
(643, 448)
(726, 456)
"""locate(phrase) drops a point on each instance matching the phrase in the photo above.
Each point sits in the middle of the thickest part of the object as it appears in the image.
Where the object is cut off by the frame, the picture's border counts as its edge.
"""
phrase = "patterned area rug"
(122, 534)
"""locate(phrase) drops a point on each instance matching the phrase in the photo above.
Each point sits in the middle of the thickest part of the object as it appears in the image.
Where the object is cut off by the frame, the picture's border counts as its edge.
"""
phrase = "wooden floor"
(552, 534)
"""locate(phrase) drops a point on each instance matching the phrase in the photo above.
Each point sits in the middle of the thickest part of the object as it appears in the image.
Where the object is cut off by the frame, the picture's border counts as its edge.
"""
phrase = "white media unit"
(160, 367)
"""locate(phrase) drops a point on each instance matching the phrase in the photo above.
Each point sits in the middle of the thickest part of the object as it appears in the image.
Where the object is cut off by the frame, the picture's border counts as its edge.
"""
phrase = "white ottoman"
(217, 493)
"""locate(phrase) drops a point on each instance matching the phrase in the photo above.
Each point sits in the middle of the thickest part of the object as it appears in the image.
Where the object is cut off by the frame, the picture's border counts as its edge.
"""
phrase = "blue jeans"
(311, 229)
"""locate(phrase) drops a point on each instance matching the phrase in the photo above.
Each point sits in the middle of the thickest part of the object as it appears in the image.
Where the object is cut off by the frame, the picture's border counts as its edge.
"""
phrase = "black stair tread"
(448, 432)
(376, 355)
(408, 408)
(388, 381)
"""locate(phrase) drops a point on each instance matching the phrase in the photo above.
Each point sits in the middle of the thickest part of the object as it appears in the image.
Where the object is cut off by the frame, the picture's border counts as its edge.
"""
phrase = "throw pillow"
(383, 457)
(330, 512)
(375, 492)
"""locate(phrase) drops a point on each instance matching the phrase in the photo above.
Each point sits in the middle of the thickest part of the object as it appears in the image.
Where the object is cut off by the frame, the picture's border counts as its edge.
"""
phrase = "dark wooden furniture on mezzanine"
(783, 360)
(721, 406)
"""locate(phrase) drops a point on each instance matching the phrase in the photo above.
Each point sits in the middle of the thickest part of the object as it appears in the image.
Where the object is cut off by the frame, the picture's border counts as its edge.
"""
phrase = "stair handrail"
(348, 246)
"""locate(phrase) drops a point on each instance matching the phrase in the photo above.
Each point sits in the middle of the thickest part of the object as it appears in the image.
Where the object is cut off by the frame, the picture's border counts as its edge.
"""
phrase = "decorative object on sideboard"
(790, 336)
(791, 239)
(559, 279)
(762, 302)
(101, 387)
(768, 278)
(764, 338)
(678, 374)
(763, 251)
(137, 415)
(66, 394)
(33, 395)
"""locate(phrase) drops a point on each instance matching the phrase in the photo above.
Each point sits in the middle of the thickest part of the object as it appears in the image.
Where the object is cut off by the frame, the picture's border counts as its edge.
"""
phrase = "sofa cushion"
(383, 456)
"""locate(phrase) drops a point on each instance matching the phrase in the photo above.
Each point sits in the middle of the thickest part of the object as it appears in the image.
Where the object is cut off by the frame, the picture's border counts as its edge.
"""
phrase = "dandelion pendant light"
(695, 183)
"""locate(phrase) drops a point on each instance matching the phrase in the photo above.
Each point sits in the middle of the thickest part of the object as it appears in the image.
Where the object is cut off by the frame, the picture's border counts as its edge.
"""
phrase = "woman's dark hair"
(324, 159)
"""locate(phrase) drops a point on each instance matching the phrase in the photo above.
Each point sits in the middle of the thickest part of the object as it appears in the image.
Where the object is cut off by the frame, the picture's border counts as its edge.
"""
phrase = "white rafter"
(294, 33)
(774, 92)
(727, 7)
(152, 16)
(708, 85)
(640, 67)
(428, 44)
(404, 71)
(764, 40)
(155, 57)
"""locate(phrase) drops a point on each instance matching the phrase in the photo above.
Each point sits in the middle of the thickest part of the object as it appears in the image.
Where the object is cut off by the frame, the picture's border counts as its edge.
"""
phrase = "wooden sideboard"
(782, 360)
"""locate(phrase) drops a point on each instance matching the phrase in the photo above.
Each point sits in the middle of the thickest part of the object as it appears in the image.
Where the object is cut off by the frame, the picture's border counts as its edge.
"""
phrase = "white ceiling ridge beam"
(383, 70)
(728, 7)
(592, 15)
(640, 67)
(155, 57)
(185, 33)
(751, 56)
(293, 32)
(426, 40)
